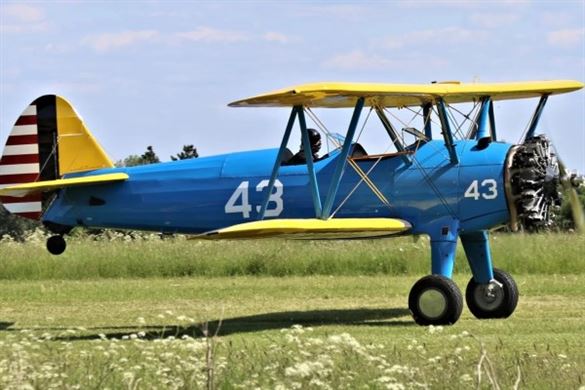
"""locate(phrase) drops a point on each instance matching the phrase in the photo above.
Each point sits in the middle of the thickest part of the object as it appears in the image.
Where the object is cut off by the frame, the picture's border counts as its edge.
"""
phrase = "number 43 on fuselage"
(447, 184)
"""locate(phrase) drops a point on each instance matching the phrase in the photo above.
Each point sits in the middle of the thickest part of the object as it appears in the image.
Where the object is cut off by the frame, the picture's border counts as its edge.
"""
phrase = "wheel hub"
(432, 303)
(489, 296)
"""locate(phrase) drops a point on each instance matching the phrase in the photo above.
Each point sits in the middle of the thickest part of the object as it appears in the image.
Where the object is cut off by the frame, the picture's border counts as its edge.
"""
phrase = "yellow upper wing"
(339, 95)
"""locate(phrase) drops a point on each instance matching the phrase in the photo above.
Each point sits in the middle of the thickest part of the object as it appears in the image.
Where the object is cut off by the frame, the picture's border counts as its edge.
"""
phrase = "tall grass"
(295, 359)
(121, 257)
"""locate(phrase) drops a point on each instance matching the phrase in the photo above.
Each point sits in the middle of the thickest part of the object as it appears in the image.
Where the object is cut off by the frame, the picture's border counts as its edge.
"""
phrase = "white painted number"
(275, 197)
(473, 190)
(493, 192)
(239, 201)
(244, 207)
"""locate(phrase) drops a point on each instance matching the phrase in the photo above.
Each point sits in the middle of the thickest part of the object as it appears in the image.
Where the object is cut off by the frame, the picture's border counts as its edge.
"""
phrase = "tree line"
(150, 157)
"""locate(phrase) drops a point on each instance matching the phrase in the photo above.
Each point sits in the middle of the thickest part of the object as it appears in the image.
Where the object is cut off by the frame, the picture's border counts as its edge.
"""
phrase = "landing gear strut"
(56, 245)
(436, 299)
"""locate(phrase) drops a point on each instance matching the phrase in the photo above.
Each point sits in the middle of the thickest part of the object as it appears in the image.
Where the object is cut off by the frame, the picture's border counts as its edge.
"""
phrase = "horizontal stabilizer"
(21, 190)
(334, 228)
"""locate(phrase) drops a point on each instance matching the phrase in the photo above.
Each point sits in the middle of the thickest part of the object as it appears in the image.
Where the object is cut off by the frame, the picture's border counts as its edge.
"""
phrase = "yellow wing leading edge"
(313, 228)
(345, 95)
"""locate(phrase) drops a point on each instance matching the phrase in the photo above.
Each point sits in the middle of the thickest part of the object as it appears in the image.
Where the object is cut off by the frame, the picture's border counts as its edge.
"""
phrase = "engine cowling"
(532, 182)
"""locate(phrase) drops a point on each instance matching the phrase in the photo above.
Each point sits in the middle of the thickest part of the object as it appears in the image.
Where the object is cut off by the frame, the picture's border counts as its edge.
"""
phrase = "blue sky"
(162, 72)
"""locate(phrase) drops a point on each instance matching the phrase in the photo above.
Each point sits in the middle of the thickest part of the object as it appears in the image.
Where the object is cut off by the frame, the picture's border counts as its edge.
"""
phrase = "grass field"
(347, 326)
(117, 256)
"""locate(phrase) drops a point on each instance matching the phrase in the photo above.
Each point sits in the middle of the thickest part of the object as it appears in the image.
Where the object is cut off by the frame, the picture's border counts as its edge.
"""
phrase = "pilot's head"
(315, 140)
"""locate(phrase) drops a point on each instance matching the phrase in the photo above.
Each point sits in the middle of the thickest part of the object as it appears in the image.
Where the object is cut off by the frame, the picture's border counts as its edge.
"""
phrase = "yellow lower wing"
(20, 190)
(334, 228)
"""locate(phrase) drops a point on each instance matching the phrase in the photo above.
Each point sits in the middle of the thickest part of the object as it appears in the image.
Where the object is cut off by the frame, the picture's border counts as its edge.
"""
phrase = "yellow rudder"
(78, 149)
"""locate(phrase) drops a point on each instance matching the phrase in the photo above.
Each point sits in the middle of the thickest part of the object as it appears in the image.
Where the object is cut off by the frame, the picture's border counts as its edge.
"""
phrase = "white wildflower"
(435, 329)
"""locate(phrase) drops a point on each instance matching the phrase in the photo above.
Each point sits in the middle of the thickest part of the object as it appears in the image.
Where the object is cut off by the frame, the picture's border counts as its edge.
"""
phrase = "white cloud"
(22, 18)
(566, 38)
(358, 60)
(212, 35)
(558, 19)
(23, 13)
(462, 4)
(108, 41)
(438, 3)
(272, 36)
(494, 20)
(446, 36)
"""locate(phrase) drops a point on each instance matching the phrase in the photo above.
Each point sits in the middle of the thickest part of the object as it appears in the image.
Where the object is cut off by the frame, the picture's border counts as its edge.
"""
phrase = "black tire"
(56, 245)
(435, 300)
(501, 303)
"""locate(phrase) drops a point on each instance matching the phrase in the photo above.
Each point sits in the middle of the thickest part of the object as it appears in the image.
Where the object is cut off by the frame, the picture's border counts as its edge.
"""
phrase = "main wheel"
(56, 245)
(435, 300)
(497, 299)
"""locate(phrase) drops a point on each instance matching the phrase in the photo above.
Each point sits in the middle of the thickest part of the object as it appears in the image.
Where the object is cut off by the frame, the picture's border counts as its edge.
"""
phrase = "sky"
(161, 73)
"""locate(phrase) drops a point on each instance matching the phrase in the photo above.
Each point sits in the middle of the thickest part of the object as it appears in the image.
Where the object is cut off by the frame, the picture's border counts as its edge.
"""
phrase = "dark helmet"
(315, 140)
(314, 135)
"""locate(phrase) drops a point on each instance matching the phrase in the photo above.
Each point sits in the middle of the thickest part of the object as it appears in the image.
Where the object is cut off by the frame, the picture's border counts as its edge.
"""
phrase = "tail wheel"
(497, 299)
(435, 300)
(56, 245)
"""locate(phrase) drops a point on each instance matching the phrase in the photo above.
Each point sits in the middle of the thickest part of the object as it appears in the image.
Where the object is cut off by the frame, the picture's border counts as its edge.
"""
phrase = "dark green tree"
(150, 157)
(565, 218)
(189, 151)
(15, 226)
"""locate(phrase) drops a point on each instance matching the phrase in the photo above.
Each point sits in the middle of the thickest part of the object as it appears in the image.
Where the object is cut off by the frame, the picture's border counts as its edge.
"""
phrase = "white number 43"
(489, 189)
(239, 201)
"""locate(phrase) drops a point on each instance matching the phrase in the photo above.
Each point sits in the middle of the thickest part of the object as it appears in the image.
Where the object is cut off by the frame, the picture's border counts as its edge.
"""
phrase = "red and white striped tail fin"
(20, 163)
(48, 141)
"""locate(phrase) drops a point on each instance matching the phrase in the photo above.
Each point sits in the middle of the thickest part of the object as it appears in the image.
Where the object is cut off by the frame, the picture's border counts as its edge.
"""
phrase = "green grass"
(356, 331)
(118, 258)
(131, 314)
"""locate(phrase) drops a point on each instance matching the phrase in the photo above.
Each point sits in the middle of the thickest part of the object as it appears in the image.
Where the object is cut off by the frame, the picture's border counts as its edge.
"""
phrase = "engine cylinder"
(532, 182)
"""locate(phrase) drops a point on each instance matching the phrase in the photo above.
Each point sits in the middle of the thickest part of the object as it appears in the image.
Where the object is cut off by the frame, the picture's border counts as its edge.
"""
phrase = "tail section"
(48, 140)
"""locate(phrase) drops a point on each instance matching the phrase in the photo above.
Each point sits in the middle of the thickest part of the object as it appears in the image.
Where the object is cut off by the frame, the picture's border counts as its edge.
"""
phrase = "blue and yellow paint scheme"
(445, 188)
(201, 188)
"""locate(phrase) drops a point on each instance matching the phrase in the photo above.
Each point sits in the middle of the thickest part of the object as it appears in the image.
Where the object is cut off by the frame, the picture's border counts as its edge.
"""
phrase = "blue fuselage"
(203, 194)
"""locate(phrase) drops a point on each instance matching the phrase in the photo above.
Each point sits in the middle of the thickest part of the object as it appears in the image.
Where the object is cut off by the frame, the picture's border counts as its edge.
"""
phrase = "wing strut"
(309, 157)
(427, 111)
(484, 134)
(536, 117)
(393, 134)
(276, 168)
(297, 111)
(336, 179)
(446, 131)
(493, 122)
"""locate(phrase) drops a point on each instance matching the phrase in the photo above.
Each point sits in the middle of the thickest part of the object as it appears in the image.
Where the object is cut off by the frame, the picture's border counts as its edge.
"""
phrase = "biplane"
(449, 183)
